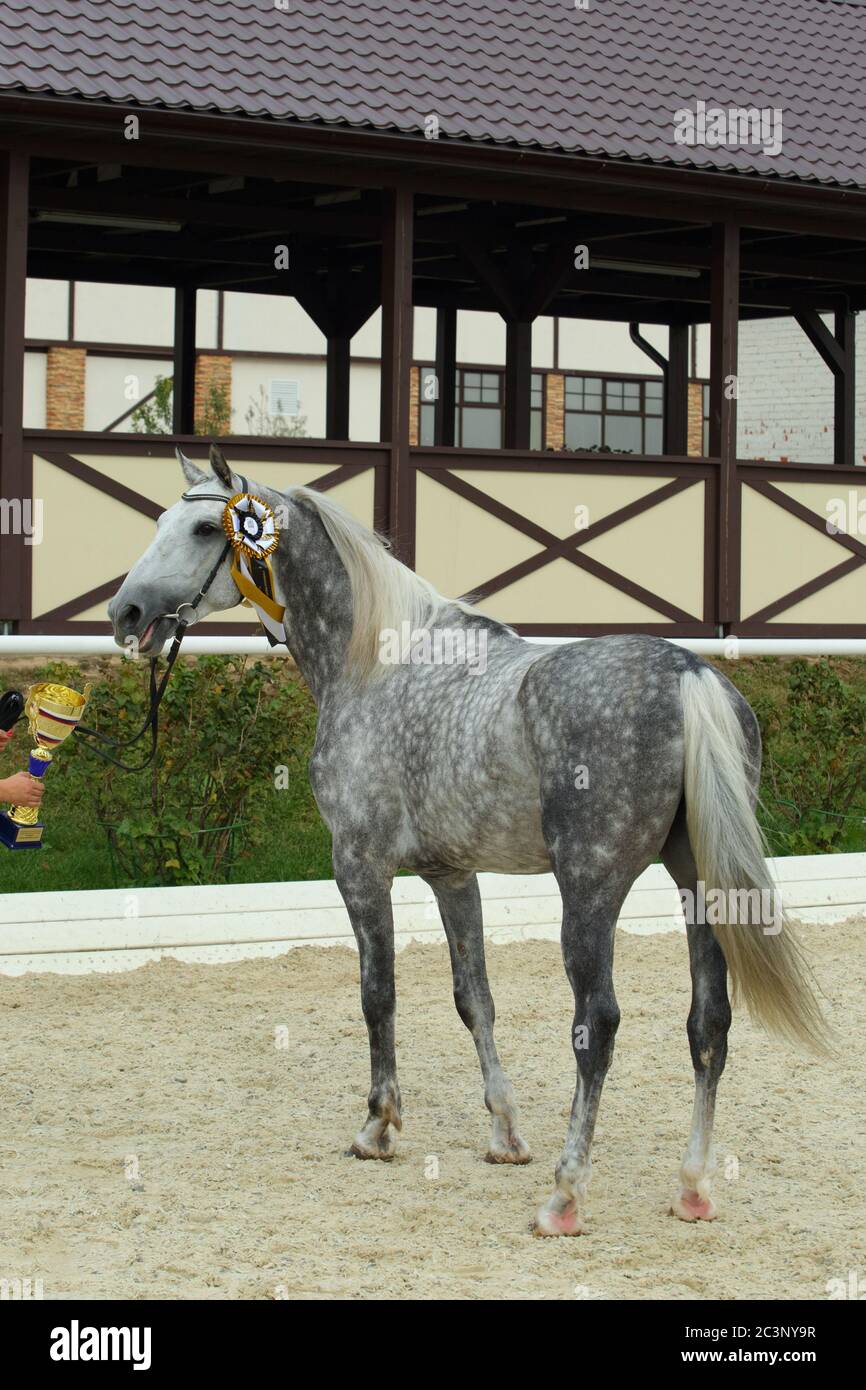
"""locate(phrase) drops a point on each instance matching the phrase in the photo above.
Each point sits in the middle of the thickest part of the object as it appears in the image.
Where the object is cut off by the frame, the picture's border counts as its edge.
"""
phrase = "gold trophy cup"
(52, 712)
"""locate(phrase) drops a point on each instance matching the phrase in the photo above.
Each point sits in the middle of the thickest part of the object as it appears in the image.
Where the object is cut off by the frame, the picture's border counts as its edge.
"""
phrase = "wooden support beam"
(843, 391)
(837, 352)
(396, 367)
(518, 383)
(338, 371)
(724, 387)
(16, 483)
(183, 390)
(676, 417)
(446, 377)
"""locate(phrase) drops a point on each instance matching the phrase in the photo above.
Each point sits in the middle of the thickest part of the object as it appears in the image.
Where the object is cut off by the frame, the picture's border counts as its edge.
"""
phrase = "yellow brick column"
(211, 370)
(64, 388)
(414, 405)
(554, 411)
(696, 418)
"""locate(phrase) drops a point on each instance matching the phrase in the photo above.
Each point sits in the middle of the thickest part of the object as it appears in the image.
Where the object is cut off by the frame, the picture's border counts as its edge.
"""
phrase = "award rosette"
(251, 527)
(52, 712)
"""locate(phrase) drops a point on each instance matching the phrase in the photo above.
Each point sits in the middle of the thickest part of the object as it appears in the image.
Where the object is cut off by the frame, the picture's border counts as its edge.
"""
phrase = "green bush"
(235, 737)
(212, 809)
(813, 783)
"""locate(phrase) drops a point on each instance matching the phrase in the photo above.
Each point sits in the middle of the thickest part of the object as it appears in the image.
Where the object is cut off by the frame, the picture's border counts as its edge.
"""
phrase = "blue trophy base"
(15, 836)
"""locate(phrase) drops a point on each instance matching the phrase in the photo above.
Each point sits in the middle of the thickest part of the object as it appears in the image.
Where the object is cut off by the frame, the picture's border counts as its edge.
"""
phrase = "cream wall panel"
(550, 499)
(480, 337)
(35, 373)
(779, 553)
(206, 318)
(459, 545)
(162, 481)
(356, 495)
(46, 309)
(367, 342)
(88, 538)
(842, 602)
(542, 342)
(57, 579)
(562, 593)
(269, 323)
(114, 384)
(589, 346)
(124, 314)
(661, 549)
(364, 402)
(823, 500)
(252, 374)
(424, 334)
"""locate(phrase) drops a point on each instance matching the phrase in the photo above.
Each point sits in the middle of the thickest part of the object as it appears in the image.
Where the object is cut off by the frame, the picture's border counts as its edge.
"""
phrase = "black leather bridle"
(157, 689)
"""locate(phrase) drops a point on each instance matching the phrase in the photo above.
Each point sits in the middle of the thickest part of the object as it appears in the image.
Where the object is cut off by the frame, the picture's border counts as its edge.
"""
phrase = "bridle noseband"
(157, 690)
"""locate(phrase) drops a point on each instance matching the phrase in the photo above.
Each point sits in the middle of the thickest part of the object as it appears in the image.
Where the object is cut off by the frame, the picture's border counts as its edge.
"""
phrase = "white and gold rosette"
(252, 530)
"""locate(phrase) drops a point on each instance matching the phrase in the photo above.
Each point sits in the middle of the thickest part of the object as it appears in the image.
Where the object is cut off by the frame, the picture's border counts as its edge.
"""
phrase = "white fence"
(119, 929)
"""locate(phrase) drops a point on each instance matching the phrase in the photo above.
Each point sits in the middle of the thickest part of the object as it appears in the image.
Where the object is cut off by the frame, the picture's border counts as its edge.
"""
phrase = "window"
(283, 397)
(478, 423)
(622, 415)
(426, 406)
(536, 412)
(478, 418)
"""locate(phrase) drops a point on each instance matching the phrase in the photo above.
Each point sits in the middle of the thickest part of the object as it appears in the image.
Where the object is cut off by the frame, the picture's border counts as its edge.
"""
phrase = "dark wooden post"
(396, 367)
(518, 383)
(676, 420)
(724, 386)
(183, 388)
(446, 377)
(16, 483)
(843, 391)
(338, 372)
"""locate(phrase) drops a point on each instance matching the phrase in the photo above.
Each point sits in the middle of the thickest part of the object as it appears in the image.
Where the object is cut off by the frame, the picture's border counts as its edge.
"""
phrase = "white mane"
(385, 593)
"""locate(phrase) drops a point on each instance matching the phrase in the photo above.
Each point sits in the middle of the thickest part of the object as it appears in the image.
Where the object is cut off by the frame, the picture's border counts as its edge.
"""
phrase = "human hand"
(5, 735)
(22, 790)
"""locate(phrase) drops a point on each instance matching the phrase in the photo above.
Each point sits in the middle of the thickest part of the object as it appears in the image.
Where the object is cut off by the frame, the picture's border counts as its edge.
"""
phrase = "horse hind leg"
(708, 1024)
(588, 928)
(460, 908)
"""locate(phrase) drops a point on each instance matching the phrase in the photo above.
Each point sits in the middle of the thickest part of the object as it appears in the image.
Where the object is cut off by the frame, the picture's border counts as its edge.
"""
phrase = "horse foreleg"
(460, 908)
(368, 903)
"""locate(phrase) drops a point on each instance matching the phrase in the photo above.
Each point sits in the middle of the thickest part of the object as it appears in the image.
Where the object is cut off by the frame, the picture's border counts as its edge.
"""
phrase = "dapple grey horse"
(588, 759)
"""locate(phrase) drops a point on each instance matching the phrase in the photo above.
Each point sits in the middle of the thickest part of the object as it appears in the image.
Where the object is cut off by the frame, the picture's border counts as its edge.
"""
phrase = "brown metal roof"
(533, 73)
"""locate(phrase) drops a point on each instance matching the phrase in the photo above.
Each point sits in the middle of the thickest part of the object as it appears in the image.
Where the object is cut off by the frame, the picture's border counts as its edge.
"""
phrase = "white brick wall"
(786, 394)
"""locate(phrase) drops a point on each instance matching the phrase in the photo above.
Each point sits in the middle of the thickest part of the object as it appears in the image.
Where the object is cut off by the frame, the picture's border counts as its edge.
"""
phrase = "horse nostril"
(130, 615)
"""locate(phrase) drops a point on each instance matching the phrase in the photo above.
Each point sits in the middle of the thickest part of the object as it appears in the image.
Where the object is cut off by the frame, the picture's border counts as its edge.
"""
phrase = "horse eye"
(206, 528)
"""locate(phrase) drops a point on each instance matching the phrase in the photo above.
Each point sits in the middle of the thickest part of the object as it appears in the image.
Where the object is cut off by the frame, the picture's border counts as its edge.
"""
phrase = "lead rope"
(156, 691)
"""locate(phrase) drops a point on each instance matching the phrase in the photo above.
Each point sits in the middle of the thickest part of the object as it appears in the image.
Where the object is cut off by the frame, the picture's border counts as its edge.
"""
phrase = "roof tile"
(603, 81)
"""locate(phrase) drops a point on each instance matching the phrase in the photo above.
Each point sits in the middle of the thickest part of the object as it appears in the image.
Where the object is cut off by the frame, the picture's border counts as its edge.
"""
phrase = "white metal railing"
(732, 647)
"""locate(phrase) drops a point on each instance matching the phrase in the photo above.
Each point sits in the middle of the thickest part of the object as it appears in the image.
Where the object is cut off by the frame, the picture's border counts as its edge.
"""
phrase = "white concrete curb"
(118, 929)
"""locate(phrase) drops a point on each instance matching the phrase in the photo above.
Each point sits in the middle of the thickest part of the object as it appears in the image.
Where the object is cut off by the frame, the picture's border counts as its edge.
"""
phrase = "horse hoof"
(551, 1222)
(382, 1149)
(515, 1152)
(691, 1206)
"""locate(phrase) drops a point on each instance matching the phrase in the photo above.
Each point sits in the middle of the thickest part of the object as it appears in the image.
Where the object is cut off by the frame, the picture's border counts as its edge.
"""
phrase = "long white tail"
(767, 967)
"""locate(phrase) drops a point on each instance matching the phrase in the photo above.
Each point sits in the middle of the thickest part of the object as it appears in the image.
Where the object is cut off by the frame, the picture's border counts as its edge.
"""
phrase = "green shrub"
(226, 727)
(813, 784)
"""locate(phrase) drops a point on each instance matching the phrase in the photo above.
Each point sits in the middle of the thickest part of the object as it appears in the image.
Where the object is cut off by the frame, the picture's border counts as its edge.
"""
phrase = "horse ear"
(220, 467)
(191, 471)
